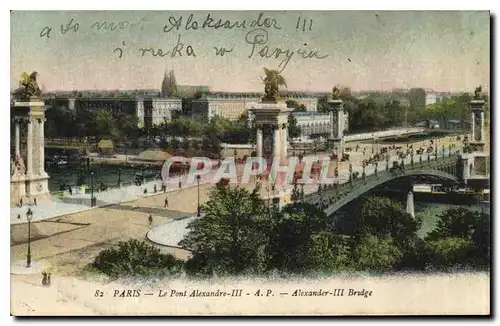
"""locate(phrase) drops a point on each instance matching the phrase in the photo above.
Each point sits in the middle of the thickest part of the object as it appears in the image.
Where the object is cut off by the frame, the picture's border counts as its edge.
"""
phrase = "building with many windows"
(233, 105)
(150, 111)
(315, 123)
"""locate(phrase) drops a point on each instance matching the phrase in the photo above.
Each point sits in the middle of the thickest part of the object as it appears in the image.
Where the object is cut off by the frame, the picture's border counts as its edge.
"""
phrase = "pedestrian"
(34, 201)
(145, 191)
(154, 189)
(164, 188)
(18, 216)
(166, 202)
(44, 279)
(180, 184)
(21, 202)
(150, 219)
(48, 279)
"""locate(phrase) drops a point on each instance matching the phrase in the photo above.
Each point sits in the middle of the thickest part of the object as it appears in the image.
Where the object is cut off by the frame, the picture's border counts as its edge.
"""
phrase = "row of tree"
(241, 234)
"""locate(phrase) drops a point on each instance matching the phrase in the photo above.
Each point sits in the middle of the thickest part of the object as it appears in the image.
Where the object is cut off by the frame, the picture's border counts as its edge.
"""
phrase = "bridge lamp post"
(436, 152)
(364, 174)
(92, 189)
(350, 173)
(420, 159)
(119, 177)
(449, 149)
(443, 151)
(387, 162)
(198, 211)
(411, 157)
(29, 216)
(376, 168)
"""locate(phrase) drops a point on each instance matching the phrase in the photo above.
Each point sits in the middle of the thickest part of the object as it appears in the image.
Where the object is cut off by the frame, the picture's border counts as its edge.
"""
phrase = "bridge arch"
(374, 181)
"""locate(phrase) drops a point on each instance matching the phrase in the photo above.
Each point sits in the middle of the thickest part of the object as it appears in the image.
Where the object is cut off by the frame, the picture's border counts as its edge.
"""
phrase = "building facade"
(314, 123)
(232, 107)
(150, 111)
(154, 111)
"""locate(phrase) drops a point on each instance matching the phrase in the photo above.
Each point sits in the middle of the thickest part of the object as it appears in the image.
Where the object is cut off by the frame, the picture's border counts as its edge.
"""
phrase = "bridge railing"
(335, 192)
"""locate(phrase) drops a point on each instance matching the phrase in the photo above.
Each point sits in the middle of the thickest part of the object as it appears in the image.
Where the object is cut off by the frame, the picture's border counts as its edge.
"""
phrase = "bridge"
(443, 164)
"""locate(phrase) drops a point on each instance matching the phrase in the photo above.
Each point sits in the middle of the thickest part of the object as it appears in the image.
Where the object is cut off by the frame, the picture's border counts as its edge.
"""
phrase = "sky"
(365, 50)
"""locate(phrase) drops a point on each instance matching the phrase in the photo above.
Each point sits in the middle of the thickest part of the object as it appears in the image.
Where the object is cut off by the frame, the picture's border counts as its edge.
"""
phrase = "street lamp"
(29, 216)
(364, 174)
(119, 176)
(387, 162)
(198, 182)
(411, 153)
(350, 173)
(91, 188)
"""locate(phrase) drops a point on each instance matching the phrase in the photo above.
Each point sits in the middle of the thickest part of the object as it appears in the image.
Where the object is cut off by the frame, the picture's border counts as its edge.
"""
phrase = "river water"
(106, 174)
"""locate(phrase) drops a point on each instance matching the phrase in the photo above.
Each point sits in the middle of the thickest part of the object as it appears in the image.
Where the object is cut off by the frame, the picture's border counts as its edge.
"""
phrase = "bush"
(450, 252)
(136, 258)
(376, 254)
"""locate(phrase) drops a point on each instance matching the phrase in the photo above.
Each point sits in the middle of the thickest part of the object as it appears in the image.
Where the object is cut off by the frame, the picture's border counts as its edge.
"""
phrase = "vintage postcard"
(190, 163)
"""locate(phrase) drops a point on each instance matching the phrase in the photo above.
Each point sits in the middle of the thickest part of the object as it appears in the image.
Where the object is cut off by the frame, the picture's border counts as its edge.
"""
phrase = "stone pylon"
(28, 177)
(410, 204)
(271, 121)
(336, 137)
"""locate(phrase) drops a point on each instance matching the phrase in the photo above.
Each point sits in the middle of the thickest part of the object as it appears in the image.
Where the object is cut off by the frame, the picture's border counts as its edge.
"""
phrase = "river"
(106, 174)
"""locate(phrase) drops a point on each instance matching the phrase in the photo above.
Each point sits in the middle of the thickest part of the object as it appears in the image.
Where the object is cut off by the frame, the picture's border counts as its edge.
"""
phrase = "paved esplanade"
(59, 206)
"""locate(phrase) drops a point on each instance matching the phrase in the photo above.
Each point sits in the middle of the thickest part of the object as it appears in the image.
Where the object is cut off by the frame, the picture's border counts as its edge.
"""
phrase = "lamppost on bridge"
(91, 188)
(387, 161)
(376, 169)
(29, 216)
(411, 157)
(435, 152)
(350, 173)
(119, 177)
(420, 159)
(198, 213)
(449, 149)
(364, 174)
(443, 151)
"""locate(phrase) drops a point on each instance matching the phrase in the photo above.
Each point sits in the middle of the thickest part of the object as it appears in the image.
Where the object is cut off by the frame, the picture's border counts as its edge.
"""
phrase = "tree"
(454, 222)
(481, 238)
(450, 252)
(169, 85)
(293, 129)
(290, 237)
(375, 254)
(292, 104)
(136, 258)
(329, 252)
(382, 217)
(230, 238)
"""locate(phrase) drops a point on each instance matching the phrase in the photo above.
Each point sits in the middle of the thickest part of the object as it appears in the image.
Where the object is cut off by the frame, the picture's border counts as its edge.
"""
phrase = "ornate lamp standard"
(364, 174)
(119, 177)
(198, 182)
(29, 216)
(387, 162)
(91, 188)
(350, 173)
